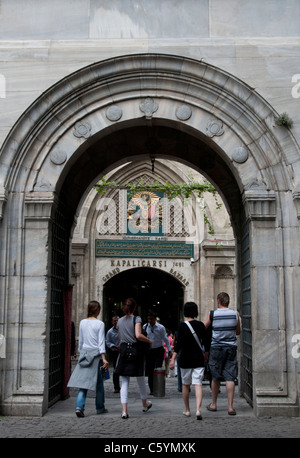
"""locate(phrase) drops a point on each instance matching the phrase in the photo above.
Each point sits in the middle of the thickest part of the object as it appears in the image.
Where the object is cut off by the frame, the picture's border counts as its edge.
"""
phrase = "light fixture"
(192, 260)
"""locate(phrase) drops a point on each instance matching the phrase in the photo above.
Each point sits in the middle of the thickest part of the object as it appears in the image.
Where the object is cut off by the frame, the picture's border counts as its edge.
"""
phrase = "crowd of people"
(136, 350)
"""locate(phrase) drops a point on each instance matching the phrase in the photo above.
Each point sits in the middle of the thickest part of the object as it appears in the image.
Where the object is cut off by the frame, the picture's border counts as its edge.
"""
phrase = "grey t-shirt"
(126, 328)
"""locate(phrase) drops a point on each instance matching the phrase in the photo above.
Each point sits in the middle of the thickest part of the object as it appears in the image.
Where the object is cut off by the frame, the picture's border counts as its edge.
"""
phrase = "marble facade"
(80, 86)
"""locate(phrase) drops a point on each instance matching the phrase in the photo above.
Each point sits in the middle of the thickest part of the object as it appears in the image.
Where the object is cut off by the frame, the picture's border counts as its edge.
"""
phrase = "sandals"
(230, 412)
(149, 405)
(210, 408)
(188, 414)
(198, 415)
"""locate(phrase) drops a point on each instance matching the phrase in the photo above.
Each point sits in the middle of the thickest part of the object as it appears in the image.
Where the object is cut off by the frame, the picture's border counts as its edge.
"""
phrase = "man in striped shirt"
(223, 350)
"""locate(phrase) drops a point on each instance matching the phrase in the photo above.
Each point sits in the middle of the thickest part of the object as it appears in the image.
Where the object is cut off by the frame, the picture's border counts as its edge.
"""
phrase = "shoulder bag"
(195, 336)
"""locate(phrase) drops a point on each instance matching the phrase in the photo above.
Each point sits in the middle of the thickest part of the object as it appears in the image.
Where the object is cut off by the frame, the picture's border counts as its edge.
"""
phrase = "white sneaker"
(187, 414)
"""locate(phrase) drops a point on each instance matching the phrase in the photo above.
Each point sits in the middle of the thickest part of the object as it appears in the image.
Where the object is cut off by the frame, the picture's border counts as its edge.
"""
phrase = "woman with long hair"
(130, 329)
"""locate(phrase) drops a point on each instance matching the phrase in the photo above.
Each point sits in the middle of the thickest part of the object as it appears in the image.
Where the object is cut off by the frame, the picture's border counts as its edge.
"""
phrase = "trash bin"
(159, 382)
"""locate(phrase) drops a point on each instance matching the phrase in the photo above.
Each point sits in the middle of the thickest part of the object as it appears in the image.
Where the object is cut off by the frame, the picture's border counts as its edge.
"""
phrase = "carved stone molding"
(183, 112)
(214, 249)
(223, 271)
(214, 128)
(58, 157)
(114, 113)
(38, 205)
(148, 106)
(261, 205)
(82, 129)
(255, 185)
(240, 155)
(42, 185)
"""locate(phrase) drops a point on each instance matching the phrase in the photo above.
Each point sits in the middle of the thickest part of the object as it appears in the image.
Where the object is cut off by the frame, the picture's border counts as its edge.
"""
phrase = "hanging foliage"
(171, 191)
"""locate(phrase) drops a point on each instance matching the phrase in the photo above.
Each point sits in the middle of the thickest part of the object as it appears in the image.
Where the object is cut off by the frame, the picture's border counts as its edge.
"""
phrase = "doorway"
(153, 290)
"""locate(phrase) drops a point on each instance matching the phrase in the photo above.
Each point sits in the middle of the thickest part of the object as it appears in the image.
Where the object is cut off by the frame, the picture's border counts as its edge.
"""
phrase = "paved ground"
(163, 421)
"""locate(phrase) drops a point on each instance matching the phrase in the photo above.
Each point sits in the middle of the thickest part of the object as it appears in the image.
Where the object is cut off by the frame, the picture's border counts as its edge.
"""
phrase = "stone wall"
(42, 42)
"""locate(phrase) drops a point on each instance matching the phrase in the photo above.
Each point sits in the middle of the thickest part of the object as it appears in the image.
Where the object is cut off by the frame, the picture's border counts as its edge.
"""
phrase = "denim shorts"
(223, 363)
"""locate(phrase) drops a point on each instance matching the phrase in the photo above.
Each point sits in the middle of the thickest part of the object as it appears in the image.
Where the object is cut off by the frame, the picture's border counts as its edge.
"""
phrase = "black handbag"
(129, 351)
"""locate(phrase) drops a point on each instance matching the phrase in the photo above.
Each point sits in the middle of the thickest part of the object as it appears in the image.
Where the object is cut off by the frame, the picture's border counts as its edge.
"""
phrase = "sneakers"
(149, 405)
(187, 414)
(124, 415)
(79, 413)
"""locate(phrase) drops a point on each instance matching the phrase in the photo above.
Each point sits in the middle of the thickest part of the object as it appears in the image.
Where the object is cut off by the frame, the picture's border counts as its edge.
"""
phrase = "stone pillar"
(28, 343)
(272, 393)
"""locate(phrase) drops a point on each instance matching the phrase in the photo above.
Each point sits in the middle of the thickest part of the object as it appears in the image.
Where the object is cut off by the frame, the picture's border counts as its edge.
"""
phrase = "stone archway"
(84, 125)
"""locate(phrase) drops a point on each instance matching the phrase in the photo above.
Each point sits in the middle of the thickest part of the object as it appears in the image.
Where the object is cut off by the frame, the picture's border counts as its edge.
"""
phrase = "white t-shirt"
(91, 335)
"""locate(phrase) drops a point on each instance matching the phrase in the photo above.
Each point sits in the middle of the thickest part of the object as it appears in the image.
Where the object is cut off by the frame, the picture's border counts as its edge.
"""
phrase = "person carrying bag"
(131, 362)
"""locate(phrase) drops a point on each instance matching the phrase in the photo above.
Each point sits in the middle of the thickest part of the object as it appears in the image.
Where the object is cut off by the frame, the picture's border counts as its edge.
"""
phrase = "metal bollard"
(159, 382)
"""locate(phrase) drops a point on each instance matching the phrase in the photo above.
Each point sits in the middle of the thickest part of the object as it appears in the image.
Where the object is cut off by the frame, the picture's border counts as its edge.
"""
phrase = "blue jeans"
(81, 397)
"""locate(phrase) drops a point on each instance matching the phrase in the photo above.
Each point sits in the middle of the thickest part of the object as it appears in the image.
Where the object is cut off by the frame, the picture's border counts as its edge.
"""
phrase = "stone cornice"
(261, 204)
(39, 205)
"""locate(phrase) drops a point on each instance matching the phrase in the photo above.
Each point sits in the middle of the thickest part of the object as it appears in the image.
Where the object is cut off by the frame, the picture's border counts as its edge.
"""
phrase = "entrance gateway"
(97, 119)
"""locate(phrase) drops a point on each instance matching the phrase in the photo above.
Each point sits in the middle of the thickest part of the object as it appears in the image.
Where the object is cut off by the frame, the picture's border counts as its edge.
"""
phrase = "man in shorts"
(223, 350)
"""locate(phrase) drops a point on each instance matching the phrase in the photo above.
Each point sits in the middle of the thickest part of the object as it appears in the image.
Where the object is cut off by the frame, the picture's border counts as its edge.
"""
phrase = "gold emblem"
(144, 213)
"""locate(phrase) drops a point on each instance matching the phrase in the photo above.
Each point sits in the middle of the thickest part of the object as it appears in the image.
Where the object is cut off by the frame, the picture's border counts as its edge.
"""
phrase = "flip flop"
(232, 412)
(210, 409)
(148, 406)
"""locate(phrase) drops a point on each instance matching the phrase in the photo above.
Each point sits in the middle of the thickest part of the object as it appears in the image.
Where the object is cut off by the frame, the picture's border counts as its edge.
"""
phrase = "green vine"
(171, 191)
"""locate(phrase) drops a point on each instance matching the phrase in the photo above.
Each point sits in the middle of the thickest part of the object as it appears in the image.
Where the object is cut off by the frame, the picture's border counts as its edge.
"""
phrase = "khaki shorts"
(192, 376)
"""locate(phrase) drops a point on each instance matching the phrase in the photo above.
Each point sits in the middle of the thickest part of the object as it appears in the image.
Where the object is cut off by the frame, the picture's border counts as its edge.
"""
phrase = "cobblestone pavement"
(164, 419)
